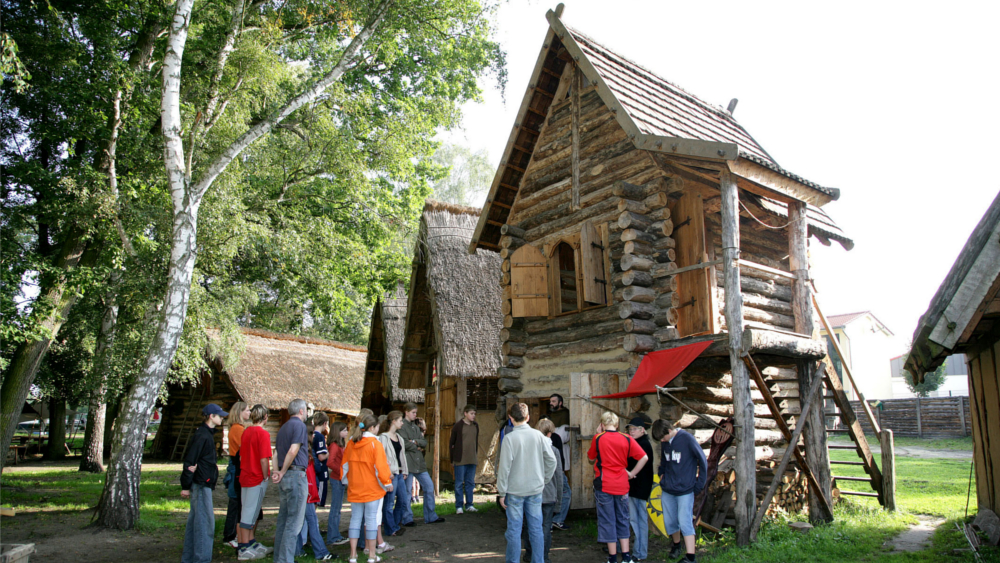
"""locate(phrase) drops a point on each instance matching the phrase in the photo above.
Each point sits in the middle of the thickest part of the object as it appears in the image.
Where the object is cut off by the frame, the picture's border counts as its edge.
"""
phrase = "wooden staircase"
(188, 423)
(853, 429)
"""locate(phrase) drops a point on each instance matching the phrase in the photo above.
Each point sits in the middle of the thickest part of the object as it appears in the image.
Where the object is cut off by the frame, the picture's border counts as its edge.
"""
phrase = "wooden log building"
(451, 344)
(631, 217)
(272, 369)
(964, 316)
(385, 348)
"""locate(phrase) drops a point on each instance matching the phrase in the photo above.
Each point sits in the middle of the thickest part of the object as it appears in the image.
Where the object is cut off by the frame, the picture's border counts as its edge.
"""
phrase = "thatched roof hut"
(272, 370)
(385, 349)
(454, 306)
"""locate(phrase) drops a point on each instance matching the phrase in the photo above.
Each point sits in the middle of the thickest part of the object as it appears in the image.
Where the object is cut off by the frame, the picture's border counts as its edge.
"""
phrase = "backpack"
(230, 479)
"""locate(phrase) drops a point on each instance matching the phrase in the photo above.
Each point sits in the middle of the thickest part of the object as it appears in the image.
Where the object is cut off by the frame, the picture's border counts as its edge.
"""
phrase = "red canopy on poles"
(659, 368)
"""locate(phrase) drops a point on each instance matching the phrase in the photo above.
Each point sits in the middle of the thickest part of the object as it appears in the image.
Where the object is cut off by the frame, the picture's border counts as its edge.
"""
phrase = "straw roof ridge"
(302, 339)
(465, 295)
(454, 208)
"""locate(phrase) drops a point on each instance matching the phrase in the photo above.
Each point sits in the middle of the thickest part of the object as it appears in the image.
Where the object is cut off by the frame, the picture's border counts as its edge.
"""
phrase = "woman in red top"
(368, 477)
(335, 445)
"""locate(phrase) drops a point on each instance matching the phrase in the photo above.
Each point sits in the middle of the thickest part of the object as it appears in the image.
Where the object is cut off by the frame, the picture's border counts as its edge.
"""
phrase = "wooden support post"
(888, 469)
(961, 414)
(746, 462)
(817, 454)
(920, 426)
(575, 158)
(807, 402)
(437, 430)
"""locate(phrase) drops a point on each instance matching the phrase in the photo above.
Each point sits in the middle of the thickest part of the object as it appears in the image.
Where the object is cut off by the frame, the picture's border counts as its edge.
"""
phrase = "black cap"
(639, 422)
(213, 408)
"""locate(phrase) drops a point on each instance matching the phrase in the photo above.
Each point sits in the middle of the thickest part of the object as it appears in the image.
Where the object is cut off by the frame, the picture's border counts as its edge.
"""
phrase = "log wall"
(939, 417)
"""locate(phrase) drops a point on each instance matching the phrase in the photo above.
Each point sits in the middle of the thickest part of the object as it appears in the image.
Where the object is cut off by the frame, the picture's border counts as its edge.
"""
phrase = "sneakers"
(328, 557)
(233, 543)
(471, 508)
(458, 511)
(628, 558)
(677, 550)
(249, 554)
(384, 548)
(262, 549)
(341, 541)
(560, 526)
(438, 521)
(410, 524)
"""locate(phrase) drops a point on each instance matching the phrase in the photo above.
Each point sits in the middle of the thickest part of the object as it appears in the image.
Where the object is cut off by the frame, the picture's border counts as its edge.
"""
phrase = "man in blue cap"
(198, 478)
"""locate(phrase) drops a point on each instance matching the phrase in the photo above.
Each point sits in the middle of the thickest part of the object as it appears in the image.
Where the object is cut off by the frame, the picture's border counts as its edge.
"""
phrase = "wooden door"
(488, 427)
(695, 314)
(584, 417)
(449, 389)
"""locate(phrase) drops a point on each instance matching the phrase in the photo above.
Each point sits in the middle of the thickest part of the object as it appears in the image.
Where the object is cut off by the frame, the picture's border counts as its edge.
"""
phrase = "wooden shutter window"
(694, 315)
(592, 254)
(529, 283)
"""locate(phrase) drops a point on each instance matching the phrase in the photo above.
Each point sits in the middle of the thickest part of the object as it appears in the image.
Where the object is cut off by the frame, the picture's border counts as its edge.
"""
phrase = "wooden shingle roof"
(657, 115)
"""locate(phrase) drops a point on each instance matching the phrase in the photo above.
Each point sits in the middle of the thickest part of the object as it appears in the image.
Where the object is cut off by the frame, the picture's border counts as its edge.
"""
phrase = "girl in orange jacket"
(367, 475)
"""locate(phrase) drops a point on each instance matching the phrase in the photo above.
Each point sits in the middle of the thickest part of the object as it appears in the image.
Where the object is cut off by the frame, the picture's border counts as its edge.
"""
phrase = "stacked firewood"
(790, 498)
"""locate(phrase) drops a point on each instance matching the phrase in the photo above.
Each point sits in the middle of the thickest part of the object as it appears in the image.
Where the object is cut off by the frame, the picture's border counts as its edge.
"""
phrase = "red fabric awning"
(660, 368)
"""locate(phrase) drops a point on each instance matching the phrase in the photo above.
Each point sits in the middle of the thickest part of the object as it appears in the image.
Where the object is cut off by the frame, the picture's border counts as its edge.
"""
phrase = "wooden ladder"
(186, 428)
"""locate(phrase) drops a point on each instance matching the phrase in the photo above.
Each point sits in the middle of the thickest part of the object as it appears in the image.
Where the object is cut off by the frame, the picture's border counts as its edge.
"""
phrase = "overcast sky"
(893, 103)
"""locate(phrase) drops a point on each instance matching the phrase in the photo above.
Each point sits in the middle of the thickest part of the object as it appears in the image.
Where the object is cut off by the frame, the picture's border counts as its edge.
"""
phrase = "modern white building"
(956, 382)
(868, 346)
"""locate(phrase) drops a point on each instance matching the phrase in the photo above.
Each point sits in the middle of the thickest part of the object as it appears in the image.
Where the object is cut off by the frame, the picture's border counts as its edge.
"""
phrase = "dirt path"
(918, 537)
(918, 451)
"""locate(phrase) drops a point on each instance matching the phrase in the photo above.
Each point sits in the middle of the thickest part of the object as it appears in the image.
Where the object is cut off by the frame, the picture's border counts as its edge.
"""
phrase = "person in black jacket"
(198, 478)
(639, 489)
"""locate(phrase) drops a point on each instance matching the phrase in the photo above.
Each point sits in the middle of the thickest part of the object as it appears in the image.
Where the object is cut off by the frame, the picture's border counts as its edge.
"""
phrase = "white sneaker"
(471, 509)
(385, 547)
(249, 554)
(262, 549)
(458, 511)
(233, 543)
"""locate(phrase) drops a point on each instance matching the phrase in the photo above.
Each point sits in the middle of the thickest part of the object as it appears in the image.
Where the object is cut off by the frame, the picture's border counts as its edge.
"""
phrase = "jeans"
(526, 510)
(639, 519)
(403, 512)
(200, 530)
(567, 496)
(323, 487)
(548, 513)
(367, 511)
(310, 531)
(233, 510)
(465, 478)
(336, 503)
(677, 513)
(427, 488)
(389, 523)
(612, 517)
(293, 490)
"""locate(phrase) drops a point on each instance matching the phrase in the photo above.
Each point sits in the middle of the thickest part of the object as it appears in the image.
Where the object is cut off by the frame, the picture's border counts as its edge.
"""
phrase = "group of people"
(379, 462)
(530, 481)
(376, 465)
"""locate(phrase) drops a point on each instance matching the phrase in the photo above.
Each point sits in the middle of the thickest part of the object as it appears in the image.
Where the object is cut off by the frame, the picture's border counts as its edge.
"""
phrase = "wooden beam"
(778, 182)
(575, 134)
(817, 453)
(745, 463)
(780, 343)
(767, 269)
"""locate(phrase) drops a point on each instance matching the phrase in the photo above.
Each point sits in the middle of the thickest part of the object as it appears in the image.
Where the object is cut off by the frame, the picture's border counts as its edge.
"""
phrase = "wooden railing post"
(888, 469)
(746, 462)
(961, 414)
(817, 454)
(920, 426)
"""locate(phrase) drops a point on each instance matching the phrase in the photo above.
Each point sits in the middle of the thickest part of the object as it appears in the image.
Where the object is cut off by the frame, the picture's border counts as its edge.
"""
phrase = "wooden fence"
(933, 417)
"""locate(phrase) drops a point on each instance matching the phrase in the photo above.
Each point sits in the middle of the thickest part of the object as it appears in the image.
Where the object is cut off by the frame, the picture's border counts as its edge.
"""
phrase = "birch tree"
(390, 48)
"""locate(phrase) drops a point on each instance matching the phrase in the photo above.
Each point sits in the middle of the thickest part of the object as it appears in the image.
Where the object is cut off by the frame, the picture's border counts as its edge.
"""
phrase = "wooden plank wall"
(984, 392)
(939, 416)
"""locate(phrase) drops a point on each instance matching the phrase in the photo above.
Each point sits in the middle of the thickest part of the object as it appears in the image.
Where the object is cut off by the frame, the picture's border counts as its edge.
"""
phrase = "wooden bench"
(19, 451)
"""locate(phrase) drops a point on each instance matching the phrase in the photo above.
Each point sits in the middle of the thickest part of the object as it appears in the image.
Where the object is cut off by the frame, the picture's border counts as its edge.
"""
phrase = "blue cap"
(213, 408)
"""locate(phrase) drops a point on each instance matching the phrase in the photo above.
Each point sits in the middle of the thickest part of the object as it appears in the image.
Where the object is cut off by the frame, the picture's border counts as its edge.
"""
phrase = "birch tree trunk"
(93, 440)
(119, 504)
